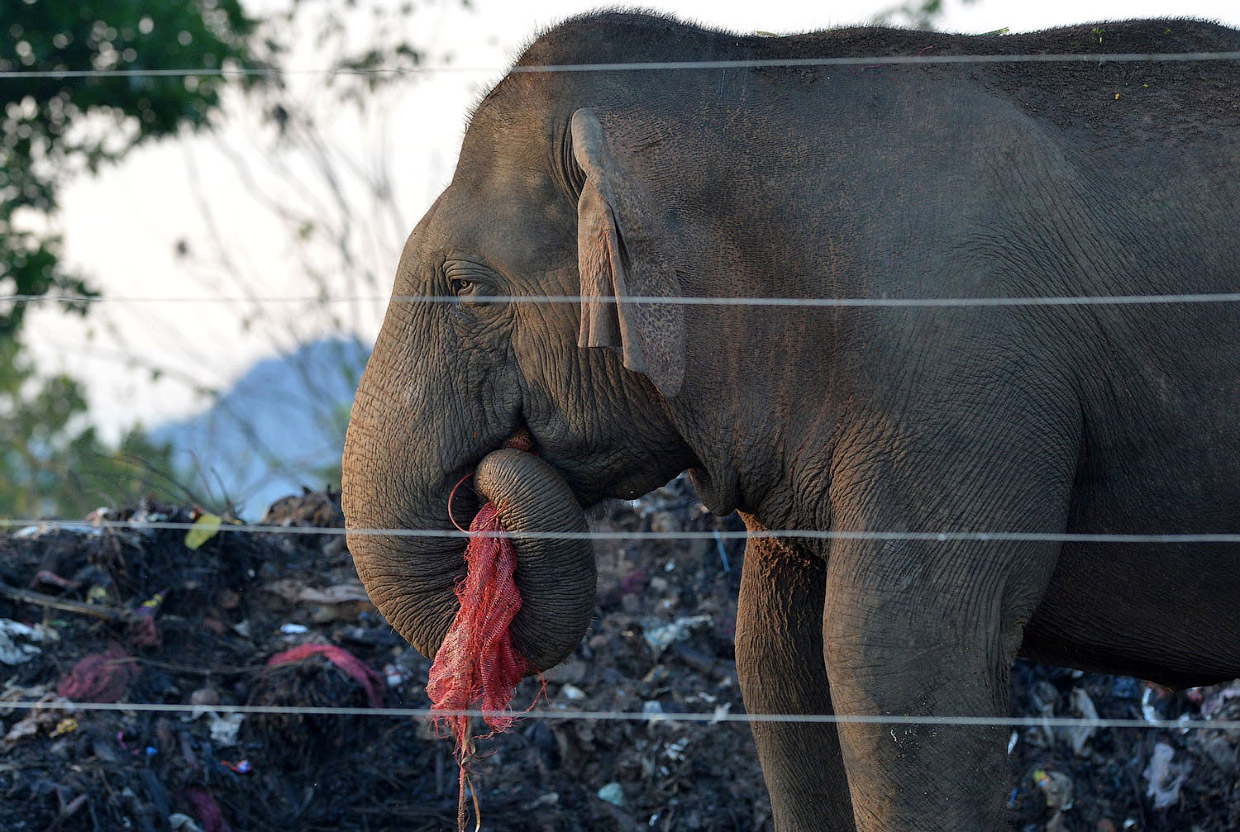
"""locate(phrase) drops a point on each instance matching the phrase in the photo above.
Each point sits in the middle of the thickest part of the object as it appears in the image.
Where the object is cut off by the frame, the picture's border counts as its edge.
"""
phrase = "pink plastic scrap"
(100, 677)
(208, 811)
(357, 670)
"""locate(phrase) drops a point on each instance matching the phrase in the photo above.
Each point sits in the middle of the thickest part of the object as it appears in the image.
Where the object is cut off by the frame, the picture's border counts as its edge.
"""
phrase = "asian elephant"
(577, 191)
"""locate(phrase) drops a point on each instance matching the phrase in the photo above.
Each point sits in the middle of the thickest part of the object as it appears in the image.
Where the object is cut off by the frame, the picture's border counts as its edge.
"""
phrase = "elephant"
(631, 264)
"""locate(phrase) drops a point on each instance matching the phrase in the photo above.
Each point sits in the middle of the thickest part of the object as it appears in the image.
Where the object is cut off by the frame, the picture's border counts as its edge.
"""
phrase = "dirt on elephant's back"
(137, 617)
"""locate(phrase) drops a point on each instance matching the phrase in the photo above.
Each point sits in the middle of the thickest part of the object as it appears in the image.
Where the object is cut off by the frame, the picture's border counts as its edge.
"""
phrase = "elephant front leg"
(779, 660)
(928, 629)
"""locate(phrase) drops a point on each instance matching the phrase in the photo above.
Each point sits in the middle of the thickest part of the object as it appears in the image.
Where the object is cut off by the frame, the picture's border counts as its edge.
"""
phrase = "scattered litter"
(224, 729)
(612, 793)
(341, 658)
(14, 642)
(294, 629)
(41, 719)
(205, 527)
(1165, 777)
(662, 636)
(100, 677)
(1057, 787)
(1148, 711)
(66, 726)
(1012, 740)
(182, 823)
(1213, 703)
(1079, 734)
(220, 624)
(208, 810)
(395, 676)
(294, 591)
(676, 751)
(572, 693)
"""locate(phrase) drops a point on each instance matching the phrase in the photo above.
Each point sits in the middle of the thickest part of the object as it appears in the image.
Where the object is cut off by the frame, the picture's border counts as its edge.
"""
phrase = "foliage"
(914, 14)
(54, 127)
(53, 461)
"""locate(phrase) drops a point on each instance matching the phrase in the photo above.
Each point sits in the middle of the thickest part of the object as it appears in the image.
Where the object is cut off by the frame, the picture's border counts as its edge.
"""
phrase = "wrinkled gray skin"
(1014, 180)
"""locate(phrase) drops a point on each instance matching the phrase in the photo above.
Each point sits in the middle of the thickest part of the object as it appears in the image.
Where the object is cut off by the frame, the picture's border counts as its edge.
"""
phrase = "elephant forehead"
(517, 213)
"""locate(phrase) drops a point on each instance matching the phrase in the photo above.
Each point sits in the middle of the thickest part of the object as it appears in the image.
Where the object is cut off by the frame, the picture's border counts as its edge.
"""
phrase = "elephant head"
(545, 203)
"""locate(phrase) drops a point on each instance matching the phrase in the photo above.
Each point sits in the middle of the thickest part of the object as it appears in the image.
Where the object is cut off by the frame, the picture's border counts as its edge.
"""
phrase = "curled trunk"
(412, 579)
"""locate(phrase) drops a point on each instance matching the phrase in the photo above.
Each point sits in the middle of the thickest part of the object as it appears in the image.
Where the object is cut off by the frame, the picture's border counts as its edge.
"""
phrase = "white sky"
(120, 228)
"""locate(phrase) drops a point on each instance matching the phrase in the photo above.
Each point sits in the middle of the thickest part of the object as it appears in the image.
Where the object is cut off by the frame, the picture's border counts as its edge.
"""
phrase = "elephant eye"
(468, 280)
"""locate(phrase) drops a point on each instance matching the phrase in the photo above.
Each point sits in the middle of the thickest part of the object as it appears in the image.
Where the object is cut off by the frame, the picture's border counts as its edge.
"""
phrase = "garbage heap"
(134, 642)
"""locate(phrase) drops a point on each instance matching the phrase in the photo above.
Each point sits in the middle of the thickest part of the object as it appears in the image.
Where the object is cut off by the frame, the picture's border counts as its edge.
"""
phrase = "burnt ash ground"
(661, 642)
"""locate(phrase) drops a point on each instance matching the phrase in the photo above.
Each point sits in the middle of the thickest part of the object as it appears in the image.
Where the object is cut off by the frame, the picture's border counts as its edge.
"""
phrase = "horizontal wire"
(676, 300)
(637, 66)
(634, 716)
(87, 526)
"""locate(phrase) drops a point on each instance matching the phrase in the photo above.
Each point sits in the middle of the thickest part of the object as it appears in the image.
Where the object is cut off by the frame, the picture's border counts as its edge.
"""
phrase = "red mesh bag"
(477, 663)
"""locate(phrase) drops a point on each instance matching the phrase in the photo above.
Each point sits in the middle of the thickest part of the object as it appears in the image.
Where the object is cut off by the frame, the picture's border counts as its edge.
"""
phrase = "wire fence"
(719, 715)
(38, 525)
(639, 66)
(682, 300)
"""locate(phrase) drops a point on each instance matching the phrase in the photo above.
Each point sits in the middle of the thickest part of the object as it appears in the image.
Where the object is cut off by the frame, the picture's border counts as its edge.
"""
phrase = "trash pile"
(197, 621)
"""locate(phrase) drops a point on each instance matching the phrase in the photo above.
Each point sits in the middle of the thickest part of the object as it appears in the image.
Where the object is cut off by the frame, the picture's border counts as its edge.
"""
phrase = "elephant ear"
(624, 240)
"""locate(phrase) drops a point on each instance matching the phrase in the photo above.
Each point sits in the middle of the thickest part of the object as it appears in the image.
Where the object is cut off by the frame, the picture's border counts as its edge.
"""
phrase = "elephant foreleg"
(779, 659)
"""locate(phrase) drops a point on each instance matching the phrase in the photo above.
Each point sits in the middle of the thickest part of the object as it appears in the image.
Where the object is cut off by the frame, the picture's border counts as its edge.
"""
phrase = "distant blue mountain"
(279, 427)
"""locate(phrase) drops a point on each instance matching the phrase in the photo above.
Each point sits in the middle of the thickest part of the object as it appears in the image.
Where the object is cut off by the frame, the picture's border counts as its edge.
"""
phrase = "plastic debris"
(1057, 787)
(1165, 778)
(612, 793)
(294, 591)
(143, 632)
(208, 810)
(206, 527)
(224, 729)
(100, 677)
(370, 681)
(1148, 710)
(1212, 704)
(572, 693)
(241, 766)
(1012, 740)
(395, 676)
(66, 726)
(183, 823)
(1078, 735)
(15, 638)
(661, 636)
(294, 629)
(676, 751)
(44, 718)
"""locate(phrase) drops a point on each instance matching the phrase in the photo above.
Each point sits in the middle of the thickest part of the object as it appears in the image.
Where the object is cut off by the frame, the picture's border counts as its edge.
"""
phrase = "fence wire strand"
(39, 526)
(711, 718)
(679, 300)
(866, 61)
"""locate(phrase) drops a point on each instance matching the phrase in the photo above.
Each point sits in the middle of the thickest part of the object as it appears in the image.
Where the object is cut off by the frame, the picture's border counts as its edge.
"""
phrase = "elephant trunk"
(412, 579)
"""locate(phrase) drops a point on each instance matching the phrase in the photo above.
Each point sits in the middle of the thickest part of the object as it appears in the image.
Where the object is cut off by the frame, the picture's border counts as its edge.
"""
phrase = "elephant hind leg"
(779, 659)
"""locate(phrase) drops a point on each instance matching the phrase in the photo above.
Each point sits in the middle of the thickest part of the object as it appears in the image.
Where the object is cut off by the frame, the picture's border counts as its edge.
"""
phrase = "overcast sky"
(121, 228)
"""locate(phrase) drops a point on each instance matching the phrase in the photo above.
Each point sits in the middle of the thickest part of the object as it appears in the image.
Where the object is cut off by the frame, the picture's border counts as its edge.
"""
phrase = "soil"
(138, 617)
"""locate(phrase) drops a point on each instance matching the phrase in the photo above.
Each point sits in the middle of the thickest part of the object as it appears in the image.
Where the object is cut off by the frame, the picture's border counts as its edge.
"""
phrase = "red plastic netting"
(477, 663)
